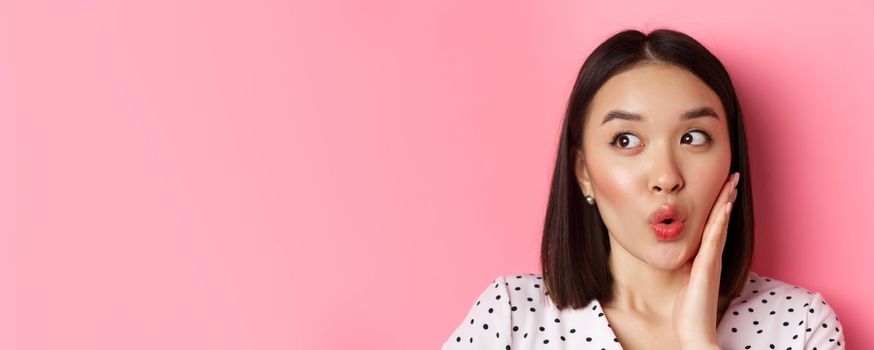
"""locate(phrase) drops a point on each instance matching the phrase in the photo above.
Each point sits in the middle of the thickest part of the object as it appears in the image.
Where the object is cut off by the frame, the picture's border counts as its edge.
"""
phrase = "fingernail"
(736, 178)
(727, 208)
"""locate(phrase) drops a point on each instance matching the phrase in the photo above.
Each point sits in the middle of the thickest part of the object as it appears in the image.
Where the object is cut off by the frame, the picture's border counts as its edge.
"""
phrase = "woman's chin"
(669, 258)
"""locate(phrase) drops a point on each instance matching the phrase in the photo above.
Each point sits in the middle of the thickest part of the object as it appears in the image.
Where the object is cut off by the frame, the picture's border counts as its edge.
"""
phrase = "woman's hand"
(694, 317)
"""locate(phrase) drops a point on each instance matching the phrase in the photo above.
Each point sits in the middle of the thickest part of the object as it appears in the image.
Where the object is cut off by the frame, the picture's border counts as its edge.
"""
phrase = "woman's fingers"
(717, 227)
(726, 195)
(697, 303)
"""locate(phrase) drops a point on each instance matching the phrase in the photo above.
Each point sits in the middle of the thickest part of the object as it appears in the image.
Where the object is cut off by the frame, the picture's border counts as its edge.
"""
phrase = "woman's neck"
(640, 288)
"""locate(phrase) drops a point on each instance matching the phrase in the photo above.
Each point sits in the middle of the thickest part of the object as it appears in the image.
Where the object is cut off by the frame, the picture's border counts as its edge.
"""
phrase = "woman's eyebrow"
(697, 112)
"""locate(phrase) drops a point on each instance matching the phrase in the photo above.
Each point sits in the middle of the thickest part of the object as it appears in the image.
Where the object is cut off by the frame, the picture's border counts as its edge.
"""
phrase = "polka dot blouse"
(513, 312)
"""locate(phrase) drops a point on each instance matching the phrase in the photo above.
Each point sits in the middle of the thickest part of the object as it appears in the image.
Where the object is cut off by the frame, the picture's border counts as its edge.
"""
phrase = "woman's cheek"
(618, 195)
(613, 180)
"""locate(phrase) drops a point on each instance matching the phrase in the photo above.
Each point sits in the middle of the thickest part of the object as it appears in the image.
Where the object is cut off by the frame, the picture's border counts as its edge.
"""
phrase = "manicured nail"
(727, 208)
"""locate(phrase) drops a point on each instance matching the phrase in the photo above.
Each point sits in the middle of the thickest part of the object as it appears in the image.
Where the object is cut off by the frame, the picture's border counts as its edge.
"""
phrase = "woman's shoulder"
(525, 296)
(517, 290)
(509, 305)
(525, 284)
(776, 308)
(766, 289)
(776, 296)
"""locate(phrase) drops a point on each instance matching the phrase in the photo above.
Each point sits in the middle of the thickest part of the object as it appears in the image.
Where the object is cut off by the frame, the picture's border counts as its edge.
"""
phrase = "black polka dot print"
(515, 312)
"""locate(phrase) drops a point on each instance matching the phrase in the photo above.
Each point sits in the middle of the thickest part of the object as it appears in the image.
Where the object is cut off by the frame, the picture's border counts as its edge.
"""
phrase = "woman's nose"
(667, 184)
(665, 177)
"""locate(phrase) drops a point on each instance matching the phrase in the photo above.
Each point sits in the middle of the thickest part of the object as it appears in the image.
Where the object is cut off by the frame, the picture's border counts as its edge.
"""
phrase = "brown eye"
(699, 140)
(625, 140)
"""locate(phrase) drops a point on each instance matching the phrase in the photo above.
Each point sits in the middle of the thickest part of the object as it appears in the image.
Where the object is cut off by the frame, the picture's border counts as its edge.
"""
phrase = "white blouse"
(513, 312)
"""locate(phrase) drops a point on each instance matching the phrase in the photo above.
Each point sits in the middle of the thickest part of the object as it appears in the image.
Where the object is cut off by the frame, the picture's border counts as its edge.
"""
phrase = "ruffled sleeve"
(487, 323)
(824, 330)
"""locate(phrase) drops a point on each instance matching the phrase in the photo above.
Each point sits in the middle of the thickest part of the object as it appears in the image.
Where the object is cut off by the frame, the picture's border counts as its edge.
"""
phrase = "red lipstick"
(667, 222)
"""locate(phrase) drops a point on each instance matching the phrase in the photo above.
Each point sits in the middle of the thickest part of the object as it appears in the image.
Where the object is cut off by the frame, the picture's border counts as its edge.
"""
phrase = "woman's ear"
(582, 173)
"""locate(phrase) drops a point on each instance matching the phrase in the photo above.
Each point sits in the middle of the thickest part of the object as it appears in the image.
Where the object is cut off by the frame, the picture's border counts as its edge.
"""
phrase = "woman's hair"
(575, 247)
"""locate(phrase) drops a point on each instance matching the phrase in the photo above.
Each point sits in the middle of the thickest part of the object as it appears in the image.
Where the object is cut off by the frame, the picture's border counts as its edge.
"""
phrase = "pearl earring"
(590, 200)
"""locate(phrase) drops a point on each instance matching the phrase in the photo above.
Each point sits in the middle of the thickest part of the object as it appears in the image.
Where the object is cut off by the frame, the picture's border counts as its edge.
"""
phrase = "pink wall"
(350, 175)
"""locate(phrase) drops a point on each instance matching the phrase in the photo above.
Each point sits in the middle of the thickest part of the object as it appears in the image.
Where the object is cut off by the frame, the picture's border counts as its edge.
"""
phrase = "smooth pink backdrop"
(350, 175)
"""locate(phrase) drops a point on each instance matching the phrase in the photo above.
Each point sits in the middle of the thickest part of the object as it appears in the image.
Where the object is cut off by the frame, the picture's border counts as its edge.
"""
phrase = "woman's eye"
(625, 140)
(696, 141)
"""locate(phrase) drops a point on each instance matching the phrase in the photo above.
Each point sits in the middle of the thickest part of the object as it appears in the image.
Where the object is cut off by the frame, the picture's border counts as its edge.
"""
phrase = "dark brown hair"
(575, 247)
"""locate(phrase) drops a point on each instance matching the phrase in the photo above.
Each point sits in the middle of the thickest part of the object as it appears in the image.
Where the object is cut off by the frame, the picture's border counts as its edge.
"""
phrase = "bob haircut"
(575, 247)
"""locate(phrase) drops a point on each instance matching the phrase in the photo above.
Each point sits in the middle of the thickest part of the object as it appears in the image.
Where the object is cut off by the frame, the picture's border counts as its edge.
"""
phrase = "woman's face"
(660, 158)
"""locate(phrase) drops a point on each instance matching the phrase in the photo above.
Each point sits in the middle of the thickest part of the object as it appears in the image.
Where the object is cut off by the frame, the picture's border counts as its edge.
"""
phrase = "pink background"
(350, 175)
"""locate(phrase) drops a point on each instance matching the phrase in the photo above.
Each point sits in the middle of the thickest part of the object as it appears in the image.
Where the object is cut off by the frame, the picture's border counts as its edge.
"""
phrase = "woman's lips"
(666, 211)
(667, 232)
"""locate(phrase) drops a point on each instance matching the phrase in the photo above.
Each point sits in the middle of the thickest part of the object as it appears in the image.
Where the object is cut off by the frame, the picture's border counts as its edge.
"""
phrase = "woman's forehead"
(656, 92)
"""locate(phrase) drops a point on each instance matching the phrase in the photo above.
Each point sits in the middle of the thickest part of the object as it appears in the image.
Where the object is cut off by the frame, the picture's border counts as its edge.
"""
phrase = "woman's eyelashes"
(627, 140)
(701, 140)
(621, 140)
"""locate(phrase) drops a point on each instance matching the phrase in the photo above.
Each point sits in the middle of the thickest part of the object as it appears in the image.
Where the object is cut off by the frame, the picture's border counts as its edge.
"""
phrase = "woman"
(642, 246)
